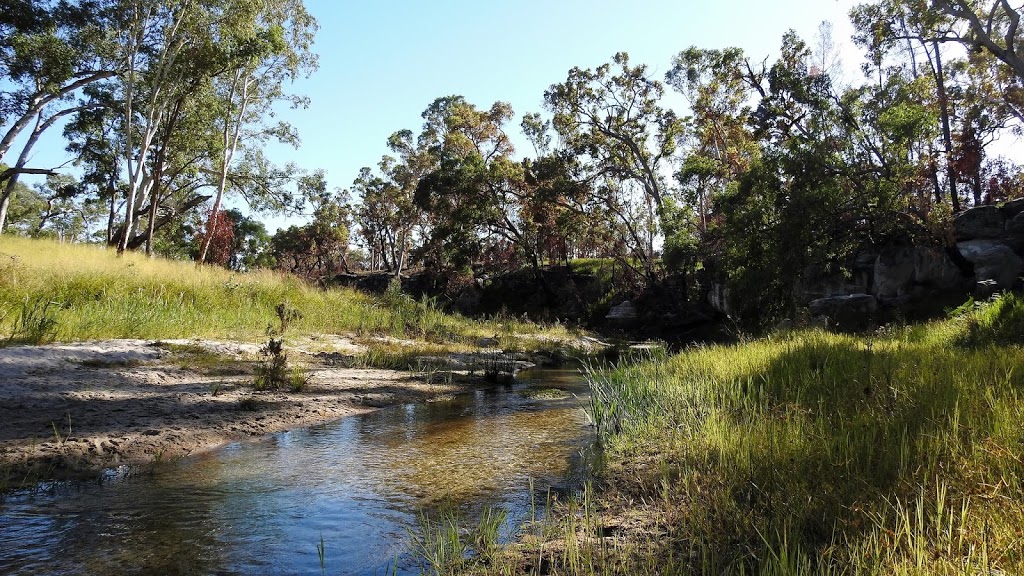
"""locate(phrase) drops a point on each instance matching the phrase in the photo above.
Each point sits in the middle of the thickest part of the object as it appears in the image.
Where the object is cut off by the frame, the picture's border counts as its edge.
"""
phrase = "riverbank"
(806, 453)
(73, 410)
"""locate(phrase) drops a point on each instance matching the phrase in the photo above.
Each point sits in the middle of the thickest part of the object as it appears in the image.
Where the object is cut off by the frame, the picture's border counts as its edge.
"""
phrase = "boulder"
(901, 270)
(1015, 225)
(851, 312)
(718, 298)
(980, 222)
(992, 260)
(894, 271)
(934, 268)
(623, 315)
(1013, 208)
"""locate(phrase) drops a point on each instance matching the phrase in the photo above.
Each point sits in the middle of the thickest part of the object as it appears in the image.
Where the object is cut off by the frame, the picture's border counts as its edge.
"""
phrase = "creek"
(357, 484)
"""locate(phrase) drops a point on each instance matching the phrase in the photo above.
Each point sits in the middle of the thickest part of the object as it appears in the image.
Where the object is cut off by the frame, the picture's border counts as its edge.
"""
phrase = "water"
(359, 483)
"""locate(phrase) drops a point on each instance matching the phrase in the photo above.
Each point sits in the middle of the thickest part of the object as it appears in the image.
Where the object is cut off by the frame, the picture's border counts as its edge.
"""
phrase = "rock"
(718, 298)
(848, 313)
(1012, 208)
(1015, 225)
(979, 222)
(984, 289)
(623, 315)
(894, 271)
(992, 261)
(487, 342)
(934, 268)
(903, 270)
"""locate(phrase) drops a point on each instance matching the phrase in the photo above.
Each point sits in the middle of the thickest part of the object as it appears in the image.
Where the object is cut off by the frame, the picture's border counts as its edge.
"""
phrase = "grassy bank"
(64, 292)
(807, 453)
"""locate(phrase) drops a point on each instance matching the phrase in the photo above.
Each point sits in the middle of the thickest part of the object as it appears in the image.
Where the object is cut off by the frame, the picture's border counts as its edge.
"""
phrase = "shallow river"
(358, 483)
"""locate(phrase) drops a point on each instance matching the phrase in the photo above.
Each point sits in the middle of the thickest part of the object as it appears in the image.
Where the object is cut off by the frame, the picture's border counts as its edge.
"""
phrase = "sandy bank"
(72, 410)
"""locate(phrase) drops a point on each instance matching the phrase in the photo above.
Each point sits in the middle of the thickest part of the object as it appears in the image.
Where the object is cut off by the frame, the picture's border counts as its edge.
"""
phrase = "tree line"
(771, 169)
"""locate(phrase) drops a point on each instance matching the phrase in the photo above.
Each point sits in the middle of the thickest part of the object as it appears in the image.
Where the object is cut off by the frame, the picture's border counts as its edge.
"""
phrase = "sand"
(75, 410)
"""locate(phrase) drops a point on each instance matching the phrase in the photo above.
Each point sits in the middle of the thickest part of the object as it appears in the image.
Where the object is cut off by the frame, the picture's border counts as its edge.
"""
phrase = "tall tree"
(612, 117)
(49, 51)
(265, 45)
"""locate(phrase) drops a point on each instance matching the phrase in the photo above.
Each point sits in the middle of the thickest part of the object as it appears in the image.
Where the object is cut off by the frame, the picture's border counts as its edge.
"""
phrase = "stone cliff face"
(987, 257)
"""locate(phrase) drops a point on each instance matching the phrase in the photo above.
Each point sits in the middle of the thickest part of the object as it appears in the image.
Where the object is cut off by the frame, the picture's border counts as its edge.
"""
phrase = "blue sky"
(382, 63)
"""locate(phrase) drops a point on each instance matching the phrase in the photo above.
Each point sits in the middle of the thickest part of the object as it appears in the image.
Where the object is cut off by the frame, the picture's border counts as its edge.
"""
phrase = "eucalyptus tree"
(478, 197)
(611, 117)
(464, 194)
(156, 38)
(386, 215)
(990, 25)
(912, 27)
(721, 145)
(49, 51)
(265, 45)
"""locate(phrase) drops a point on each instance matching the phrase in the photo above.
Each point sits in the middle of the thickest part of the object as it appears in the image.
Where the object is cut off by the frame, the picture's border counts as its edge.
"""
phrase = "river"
(357, 485)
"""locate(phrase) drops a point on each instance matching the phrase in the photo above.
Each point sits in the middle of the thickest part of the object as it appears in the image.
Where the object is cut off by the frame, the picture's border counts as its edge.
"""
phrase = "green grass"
(64, 292)
(806, 453)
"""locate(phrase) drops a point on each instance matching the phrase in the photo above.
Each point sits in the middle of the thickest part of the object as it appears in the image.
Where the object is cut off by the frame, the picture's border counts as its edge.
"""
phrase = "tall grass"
(809, 453)
(89, 293)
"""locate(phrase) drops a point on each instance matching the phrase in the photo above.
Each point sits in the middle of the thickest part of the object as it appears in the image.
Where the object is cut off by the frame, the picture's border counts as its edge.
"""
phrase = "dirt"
(75, 410)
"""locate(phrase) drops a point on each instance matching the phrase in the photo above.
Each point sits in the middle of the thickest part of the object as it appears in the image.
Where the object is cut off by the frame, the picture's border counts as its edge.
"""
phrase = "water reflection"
(262, 507)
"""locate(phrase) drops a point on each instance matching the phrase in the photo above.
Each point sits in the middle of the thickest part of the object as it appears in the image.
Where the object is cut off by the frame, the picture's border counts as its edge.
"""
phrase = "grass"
(806, 453)
(64, 292)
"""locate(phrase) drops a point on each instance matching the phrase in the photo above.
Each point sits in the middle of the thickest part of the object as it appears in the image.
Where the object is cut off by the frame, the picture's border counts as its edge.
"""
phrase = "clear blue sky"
(382, 63)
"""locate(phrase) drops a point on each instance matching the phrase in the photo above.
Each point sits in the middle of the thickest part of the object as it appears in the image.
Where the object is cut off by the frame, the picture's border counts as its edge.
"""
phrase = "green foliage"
(446, 542)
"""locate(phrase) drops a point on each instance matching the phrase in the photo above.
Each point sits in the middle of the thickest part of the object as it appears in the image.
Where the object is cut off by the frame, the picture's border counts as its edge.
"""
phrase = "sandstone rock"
(718, 298)
(980, 222)
(849, 312)
(1015, 225)
(992, 261)
(894, 271)
(487, 342)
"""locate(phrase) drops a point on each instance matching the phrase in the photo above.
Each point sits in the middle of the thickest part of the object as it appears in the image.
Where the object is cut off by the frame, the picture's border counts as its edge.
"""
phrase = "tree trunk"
(947, 139)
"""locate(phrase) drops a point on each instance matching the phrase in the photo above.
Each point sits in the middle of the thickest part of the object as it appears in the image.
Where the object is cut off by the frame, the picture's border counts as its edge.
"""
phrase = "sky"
(382, 62)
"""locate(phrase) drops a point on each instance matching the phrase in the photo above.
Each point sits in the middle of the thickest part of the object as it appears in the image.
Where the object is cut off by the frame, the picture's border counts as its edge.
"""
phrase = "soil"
(74, 410)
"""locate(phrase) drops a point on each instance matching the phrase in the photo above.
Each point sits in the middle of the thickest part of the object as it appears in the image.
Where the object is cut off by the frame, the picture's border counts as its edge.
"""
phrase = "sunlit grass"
(901, 452)
(79, 292)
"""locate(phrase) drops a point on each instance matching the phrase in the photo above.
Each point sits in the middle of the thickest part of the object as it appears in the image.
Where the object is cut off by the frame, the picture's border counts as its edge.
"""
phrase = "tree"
(991, 25)
(251, 244)
(48, 52)
(265, 45)
(612, 118)
(319, 249)
(722, 146)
